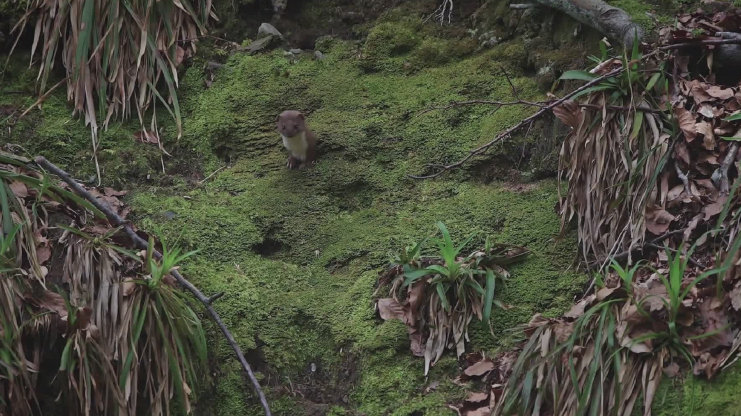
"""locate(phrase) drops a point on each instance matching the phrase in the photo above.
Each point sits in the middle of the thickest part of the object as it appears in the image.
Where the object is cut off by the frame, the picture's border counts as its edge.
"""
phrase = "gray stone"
(318, 55)
(259, 44)
(266, 29)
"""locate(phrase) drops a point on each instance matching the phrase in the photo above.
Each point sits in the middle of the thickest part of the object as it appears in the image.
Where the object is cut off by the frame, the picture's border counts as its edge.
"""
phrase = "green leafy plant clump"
(438, 295)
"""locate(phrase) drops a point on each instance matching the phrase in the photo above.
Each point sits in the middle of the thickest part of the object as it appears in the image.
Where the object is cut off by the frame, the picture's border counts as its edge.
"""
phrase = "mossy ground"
(297, 253)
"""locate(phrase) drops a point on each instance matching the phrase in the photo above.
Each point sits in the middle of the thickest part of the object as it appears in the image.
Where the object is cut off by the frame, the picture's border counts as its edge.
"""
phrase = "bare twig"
(539, 104)
(511, 85)
(215, 297)
(443, 11)
(705, 42)
(683, 177)
(723, 169)
(212, 174)
(689, 259)
(139, 242)
(41, 98)
(505, 134)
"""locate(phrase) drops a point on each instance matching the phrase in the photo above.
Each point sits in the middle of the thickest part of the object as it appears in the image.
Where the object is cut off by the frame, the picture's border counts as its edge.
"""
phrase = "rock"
(318, 55)
(259, 44)
(295, 51)
(266, 29)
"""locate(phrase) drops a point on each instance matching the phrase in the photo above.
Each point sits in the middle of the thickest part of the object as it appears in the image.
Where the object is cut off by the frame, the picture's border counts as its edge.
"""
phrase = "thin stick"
(117, 221)
(212, 174)
(723, 169)
(701, 43)
(500, 137)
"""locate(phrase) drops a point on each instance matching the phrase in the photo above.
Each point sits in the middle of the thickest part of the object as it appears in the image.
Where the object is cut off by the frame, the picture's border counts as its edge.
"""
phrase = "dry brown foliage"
(74, 298)
(116, 54)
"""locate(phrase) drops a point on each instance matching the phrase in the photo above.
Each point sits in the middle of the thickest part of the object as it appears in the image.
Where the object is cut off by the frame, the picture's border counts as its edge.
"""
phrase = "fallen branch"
(723, 169)
(500, 137)
(705, 42)
(139, 242)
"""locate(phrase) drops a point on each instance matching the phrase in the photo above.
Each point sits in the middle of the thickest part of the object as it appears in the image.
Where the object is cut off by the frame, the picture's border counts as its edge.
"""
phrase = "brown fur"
(291, 125)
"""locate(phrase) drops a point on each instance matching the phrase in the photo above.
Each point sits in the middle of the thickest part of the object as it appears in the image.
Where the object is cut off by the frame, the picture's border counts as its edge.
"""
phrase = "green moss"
(695, 396)
(637, 10)
(51, 131)
(386, 42)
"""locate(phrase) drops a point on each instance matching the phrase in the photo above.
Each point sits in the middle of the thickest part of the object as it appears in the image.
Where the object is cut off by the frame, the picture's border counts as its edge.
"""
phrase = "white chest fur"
(297, 145)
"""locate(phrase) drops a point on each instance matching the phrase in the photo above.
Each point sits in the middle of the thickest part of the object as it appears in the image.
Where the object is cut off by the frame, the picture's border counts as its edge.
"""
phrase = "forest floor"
(298, 253)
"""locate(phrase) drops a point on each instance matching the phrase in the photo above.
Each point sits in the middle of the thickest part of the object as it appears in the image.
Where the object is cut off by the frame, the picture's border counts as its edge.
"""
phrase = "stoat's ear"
(277, 118)
(301, 116)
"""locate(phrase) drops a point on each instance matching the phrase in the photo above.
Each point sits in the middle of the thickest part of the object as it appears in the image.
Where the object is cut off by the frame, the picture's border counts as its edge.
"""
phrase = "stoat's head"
(291, 123)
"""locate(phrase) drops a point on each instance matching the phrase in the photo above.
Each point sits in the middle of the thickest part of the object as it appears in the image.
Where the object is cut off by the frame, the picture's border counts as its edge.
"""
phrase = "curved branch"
(117, 221)
(501, 136)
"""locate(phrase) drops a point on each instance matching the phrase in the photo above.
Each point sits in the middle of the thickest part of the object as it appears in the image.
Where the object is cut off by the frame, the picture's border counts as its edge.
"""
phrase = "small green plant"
(166, 331)
(460, 287)
(676, 294)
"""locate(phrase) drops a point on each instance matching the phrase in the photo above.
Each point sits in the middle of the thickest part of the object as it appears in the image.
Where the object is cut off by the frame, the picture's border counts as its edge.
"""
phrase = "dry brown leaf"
(128, 286)
(479, 369)
(686, 123)
(482, 411)
(569, 113)
(179, 55)
(671, 370)
(43, 254)
(52, 302)
(578, 309)
(707, 110)
(389, 308)
(112, 192)
(706, 129)
(682, 153)
(719, 92)
(477, 398)
(19, 189)
(714, 208)
(658, 220)
(147, 136)
(735, 296)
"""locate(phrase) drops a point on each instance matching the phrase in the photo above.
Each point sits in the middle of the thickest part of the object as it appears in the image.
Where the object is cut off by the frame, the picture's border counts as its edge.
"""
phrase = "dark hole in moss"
(268, 247)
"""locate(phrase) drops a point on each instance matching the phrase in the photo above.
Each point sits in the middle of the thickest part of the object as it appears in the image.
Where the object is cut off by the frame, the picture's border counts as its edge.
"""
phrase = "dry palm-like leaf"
(611, 161)
(116, 53)
(568, 366)
(125, 343)
(16, 384)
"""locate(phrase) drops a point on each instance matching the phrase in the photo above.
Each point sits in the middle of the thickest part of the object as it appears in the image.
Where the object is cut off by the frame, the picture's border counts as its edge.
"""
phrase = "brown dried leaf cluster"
(68, 283)
(651, 169)
(116, 54)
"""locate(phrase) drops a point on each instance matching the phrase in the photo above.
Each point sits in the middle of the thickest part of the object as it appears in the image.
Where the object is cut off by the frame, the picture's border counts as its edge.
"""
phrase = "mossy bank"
(297, 253)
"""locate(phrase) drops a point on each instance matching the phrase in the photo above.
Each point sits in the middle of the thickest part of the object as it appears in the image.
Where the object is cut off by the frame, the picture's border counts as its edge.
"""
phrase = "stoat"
(297, 138)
